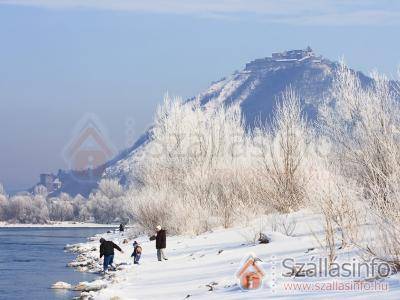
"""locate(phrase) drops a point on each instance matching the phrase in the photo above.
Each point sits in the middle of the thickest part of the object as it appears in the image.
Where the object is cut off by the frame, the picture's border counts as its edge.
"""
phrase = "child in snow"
(137, 252)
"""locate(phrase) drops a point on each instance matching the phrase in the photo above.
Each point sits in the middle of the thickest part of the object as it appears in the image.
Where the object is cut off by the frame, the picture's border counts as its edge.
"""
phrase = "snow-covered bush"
(337, 200)
(34, 208)
(207, 161)
(3, 203)
(3, 207)
(254, 231)
(25, 209)
(285, 158)
(80, 208)
(194, 163)
(61, 210)
(110, 188)
(108, 204)
(363, 125)
(153, 208)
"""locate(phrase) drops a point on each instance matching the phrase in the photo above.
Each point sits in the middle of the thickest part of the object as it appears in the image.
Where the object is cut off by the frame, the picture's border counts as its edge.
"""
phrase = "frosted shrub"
(84, 214)
(3, 207)
(111, 188)
(232, 200)
(108, 204)
(163, 209)
(285, 156)
(286, 224)
(34, 208)
(363, 123)
(254, 230)
(61, 210)
(80, 209)
(192, 164)
(24, 209)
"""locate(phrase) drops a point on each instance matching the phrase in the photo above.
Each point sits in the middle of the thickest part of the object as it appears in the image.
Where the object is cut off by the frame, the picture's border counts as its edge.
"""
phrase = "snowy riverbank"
(204, 266)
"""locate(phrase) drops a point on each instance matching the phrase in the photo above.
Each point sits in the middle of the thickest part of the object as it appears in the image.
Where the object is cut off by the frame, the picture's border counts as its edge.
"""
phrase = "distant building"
(50, 181)
(284, 59)
(293, 55)
(57, 184)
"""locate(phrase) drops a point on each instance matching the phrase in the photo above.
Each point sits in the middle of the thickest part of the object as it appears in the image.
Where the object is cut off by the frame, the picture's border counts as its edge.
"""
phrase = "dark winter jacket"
(161, 239)
(137, 250)
(107, 248)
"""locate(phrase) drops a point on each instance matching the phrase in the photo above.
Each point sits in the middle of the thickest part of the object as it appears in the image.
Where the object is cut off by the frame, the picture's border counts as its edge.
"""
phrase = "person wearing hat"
(107, 250)
(161, 242)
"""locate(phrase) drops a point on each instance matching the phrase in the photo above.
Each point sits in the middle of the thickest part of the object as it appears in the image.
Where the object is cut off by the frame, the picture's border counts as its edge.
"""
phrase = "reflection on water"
(32, 259)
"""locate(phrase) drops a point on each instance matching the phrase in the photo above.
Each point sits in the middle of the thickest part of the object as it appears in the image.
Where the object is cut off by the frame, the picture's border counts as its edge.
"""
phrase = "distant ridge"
(256, 89)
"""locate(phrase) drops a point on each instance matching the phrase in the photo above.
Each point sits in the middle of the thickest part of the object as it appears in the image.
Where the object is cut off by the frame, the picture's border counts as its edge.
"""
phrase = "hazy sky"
(62, 59)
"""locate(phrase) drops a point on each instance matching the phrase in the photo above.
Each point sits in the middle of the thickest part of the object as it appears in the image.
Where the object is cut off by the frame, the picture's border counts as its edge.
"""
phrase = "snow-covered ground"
(204, 267)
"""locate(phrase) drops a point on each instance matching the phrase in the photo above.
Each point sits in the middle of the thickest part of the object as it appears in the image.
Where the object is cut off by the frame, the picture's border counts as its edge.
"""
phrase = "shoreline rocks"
(93, 286)
(87, 260)
(60, 285)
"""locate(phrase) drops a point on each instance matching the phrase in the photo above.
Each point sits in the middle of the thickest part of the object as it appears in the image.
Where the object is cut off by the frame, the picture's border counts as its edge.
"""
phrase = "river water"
(32, 259)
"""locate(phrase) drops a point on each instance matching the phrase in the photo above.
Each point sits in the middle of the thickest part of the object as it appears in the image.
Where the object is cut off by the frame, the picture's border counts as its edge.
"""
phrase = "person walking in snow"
(107, 250)
(137, 252)
(161, 242)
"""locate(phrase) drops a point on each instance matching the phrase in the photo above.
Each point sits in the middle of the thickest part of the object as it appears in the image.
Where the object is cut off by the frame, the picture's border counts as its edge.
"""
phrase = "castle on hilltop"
(50, 181)
(285, 58)
(293, 55)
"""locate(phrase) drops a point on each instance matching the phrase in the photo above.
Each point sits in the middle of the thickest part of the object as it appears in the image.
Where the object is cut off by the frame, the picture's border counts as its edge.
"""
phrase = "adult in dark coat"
(107, 250)
(161, 242)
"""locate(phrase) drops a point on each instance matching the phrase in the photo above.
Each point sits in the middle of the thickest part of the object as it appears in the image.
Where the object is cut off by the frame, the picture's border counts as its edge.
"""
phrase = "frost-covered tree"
(108, 204)
(61, 210)
(3, 207)
(26, 209)
(80, 208)
(111, 188)
(363, 124)
(196, 163)
(3, 203)
(285, 162)
(34, 208)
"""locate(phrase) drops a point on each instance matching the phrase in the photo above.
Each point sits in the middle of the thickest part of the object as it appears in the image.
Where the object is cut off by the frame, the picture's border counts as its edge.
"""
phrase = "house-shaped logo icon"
(250, 274)
(88, 151)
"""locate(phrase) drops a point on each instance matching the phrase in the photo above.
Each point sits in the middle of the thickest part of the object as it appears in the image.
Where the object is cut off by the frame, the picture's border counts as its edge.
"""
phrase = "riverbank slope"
(205, 266)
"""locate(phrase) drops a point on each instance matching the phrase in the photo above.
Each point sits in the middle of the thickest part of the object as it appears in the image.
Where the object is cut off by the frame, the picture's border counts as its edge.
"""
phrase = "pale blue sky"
(62, 59)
